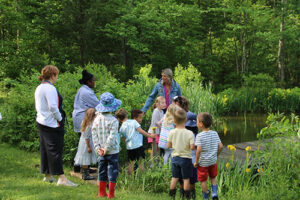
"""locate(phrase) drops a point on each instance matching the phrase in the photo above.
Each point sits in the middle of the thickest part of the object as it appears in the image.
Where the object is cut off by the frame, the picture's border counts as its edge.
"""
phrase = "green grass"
(21, 179)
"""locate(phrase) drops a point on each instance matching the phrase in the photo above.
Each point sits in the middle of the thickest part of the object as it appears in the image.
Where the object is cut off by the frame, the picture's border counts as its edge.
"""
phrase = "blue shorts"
(182, 167)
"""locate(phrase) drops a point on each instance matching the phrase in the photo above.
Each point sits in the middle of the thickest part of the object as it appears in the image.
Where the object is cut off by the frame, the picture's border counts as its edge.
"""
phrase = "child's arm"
(144, 133)
(198, 152)
(192, 146)
(87, 141)
(169, 145)
(220, 148)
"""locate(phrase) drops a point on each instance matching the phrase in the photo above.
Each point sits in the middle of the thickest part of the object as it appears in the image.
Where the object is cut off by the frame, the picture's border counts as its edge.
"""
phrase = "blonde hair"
(89, 117)
(158, 100)
(169, 116)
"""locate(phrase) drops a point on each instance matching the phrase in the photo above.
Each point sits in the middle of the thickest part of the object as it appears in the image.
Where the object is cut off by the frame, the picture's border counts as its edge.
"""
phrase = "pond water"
(237, 129)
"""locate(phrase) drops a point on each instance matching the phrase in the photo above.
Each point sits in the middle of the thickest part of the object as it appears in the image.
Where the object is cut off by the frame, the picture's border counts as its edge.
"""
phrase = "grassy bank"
(21, 179)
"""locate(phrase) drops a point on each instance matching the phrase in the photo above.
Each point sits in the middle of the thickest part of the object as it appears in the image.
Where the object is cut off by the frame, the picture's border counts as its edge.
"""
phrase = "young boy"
(182, 142)
(209, 146)
(132, 133)
(106, 143)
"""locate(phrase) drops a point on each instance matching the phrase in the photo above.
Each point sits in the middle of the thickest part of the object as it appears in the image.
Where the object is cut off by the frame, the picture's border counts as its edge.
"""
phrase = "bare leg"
(204, 186)
(214, 181)
(186, 184)
(173, 183)
(130, 167)
(142, 167)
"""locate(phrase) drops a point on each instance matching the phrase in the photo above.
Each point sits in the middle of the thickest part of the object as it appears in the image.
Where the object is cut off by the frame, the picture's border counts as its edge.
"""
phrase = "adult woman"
(166, 87)
(84, 99)
(50, 123)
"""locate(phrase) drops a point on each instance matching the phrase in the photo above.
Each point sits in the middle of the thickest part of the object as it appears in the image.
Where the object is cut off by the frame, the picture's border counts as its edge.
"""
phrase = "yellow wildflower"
(225, 130)
(231, 148)
(261, 169)
(149, 151)
(247, 170)
(254, 100)
(248, 148)
(227, 165)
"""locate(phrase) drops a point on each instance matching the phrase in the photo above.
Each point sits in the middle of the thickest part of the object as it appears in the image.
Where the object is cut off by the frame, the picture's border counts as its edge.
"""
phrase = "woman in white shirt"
(50, 123)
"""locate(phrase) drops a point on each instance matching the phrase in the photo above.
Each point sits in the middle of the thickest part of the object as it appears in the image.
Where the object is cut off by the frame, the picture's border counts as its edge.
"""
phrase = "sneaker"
(66, 183)
(92, 171)
(49, 179)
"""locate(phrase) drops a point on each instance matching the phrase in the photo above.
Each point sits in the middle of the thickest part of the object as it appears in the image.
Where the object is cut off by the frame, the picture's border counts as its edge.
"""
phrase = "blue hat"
(108, 103)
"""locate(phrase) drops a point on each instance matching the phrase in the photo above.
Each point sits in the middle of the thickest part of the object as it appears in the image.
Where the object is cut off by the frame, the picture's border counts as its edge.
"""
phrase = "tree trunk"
(281, 45)
(236, 56)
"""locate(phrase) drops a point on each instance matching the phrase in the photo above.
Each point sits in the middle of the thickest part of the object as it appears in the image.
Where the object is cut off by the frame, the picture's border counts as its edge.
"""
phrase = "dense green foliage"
(280, 125)
(223, 39)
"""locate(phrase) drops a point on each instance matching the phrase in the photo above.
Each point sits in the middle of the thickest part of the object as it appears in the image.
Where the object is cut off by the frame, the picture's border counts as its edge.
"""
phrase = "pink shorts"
(203, 172)
(150, 140)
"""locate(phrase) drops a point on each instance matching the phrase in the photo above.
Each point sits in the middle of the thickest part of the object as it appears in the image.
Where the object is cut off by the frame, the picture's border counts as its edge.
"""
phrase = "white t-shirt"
(209, 141)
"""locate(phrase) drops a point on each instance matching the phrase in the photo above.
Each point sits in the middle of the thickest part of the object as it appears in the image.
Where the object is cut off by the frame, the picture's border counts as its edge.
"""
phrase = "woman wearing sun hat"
(107, 143)
(84, 99)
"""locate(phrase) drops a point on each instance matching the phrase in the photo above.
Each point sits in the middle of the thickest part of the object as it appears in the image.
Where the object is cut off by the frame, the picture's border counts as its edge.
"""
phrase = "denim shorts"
(182, 167)
(108, 167)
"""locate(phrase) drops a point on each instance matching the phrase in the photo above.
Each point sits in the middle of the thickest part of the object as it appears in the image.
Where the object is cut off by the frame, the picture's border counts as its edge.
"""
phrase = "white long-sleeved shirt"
(46, 105)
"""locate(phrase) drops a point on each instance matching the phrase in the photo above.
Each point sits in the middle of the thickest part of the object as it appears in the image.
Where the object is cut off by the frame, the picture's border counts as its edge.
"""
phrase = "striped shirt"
(209, 141)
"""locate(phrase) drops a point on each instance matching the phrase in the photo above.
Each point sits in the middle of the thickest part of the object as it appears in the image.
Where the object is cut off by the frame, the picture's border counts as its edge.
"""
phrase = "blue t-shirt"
(129, 131)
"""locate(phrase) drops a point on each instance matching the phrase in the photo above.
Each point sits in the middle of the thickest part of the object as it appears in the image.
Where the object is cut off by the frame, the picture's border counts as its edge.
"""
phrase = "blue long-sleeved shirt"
(84, 99)
(191, 119)
(159, 90)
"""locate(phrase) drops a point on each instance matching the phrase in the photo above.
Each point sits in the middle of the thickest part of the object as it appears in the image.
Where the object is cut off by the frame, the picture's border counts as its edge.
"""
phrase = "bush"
(280, 125)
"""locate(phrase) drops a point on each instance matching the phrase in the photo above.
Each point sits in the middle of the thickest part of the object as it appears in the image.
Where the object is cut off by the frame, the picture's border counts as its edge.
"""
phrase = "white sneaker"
(66, 183)
(49, 179)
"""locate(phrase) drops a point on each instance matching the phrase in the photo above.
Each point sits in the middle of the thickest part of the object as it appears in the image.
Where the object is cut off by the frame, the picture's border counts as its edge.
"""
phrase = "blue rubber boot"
(205, 195)
(215, 192)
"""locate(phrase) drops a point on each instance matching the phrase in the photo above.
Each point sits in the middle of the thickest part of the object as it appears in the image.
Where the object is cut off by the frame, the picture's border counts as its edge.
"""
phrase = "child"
(106, 143)
(85, 154)
(132, 133)
(182, 141)
(167, 126)
(157, 115)
(190, 124)
(209, 146)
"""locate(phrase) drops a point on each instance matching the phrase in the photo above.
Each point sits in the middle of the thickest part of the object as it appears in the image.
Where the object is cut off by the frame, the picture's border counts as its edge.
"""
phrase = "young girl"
(85, 154)
(167, 126)
(157, 115)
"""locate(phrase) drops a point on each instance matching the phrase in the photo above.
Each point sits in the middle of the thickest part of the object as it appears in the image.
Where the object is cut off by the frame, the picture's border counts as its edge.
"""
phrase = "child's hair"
(169, 116)
(135, 113)
(183, 102)
(180, 116)
(206, 119)
(121, 114)
(158, 100)
(89, 117)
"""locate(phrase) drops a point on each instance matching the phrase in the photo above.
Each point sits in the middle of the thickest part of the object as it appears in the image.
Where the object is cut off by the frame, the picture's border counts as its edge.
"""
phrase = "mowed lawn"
(20, 178)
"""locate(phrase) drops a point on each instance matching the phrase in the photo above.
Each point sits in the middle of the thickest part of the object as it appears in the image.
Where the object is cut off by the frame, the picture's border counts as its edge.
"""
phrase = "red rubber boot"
(111, 192)
(102, 189)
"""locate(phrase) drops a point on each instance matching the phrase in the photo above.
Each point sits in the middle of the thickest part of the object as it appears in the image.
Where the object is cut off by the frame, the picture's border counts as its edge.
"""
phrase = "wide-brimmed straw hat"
(108, 103)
